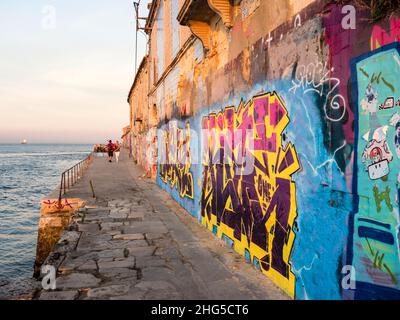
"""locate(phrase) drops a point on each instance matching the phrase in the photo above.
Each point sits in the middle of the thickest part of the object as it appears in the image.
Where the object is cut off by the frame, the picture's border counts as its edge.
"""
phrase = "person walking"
(117, 150)
(110, 149)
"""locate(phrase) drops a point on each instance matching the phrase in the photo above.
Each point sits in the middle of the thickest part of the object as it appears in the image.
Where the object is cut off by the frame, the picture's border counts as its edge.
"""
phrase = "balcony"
(197, 14)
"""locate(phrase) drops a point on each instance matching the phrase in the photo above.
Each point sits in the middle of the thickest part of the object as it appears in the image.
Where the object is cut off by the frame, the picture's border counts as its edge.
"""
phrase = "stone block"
(88, 227)
(104, 292)
(59, 295)
(77, 281)
(125, 263)
(133, 236)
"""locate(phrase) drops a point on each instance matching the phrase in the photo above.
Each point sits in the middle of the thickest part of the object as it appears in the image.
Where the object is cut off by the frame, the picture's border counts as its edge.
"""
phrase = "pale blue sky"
(66, 79)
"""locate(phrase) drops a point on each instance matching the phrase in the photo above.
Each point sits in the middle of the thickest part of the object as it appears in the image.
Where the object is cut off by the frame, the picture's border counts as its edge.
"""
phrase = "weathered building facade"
(316, 85)
(126, 137)
(143, 125)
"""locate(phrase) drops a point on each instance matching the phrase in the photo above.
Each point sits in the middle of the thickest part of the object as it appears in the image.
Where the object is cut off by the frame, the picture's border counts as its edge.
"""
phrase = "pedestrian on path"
(110, 149)
(117, 150)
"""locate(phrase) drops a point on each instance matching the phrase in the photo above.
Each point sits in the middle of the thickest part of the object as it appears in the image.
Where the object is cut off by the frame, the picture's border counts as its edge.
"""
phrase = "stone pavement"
(135, 242)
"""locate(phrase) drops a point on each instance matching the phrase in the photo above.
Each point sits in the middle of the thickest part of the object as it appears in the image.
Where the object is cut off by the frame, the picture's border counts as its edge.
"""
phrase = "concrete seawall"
(56, 214)
(52, 223)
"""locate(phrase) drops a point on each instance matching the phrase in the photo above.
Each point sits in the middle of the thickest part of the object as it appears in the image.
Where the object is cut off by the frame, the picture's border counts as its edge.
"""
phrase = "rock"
(113, 232)
(136, 216)
(88, 266)
(73, 226)
(59, 295)
(97, 212)
(121, 275)
(132, 236)
(125, 210)
(66, 266)
(111, 225)
(126, 252)
(55, 255)
(67, 242)
(77, 257)
(103, 292)
(111, 253)
(155, 285)
(88, 227)
(70, 236)
(140, 251)
(118, 215)
(77, 281)
(125, 263)
(113, 203)
(96, 219)
(123, 203)
(122, 244)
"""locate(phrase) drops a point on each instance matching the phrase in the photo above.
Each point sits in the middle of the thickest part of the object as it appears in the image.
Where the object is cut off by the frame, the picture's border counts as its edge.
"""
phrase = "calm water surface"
(27, 174)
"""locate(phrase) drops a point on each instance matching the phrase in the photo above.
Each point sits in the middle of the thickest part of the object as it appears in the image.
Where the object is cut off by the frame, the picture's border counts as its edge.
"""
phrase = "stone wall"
(318, 213)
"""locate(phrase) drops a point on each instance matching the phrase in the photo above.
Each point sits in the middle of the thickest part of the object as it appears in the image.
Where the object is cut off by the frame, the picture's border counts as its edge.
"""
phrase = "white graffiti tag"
(315, 77)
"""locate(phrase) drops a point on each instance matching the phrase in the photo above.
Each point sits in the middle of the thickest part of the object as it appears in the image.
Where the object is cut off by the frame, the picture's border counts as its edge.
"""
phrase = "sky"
(66, 67)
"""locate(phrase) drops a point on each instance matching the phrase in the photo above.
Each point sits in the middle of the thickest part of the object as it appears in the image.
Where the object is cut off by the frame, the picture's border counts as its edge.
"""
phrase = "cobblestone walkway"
(135, 242)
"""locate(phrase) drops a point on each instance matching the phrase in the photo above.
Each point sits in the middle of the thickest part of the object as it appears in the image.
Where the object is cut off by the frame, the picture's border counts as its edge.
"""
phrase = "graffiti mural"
(381, 37)
(175, 164)
(253, 211)
(316, 78)
(376, 236)
(322, 193)
(145, 152)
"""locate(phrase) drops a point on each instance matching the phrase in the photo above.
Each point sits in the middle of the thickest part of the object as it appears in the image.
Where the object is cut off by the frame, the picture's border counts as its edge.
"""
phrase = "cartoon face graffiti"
(376, 157)
(378, 170)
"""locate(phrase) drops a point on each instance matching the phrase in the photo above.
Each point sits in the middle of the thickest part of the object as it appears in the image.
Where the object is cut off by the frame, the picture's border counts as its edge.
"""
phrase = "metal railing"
(71, 176)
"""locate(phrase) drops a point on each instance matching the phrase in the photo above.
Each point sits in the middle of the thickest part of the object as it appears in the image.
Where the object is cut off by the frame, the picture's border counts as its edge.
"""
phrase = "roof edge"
(141, 66)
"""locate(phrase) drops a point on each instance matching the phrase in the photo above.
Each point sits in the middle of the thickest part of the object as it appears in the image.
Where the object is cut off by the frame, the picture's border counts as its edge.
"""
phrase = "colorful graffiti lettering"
(256, 211)
(174, 167)
(375, 244)
(381, 37)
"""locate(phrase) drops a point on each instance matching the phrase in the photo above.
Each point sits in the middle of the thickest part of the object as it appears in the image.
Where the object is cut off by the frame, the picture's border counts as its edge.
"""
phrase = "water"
(27, 174)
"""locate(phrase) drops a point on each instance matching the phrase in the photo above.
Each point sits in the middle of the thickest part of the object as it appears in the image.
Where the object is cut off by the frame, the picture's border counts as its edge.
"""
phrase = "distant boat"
(24, 141)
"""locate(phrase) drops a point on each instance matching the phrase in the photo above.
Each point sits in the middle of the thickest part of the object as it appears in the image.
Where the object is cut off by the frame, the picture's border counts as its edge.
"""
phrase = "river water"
(27, 174)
